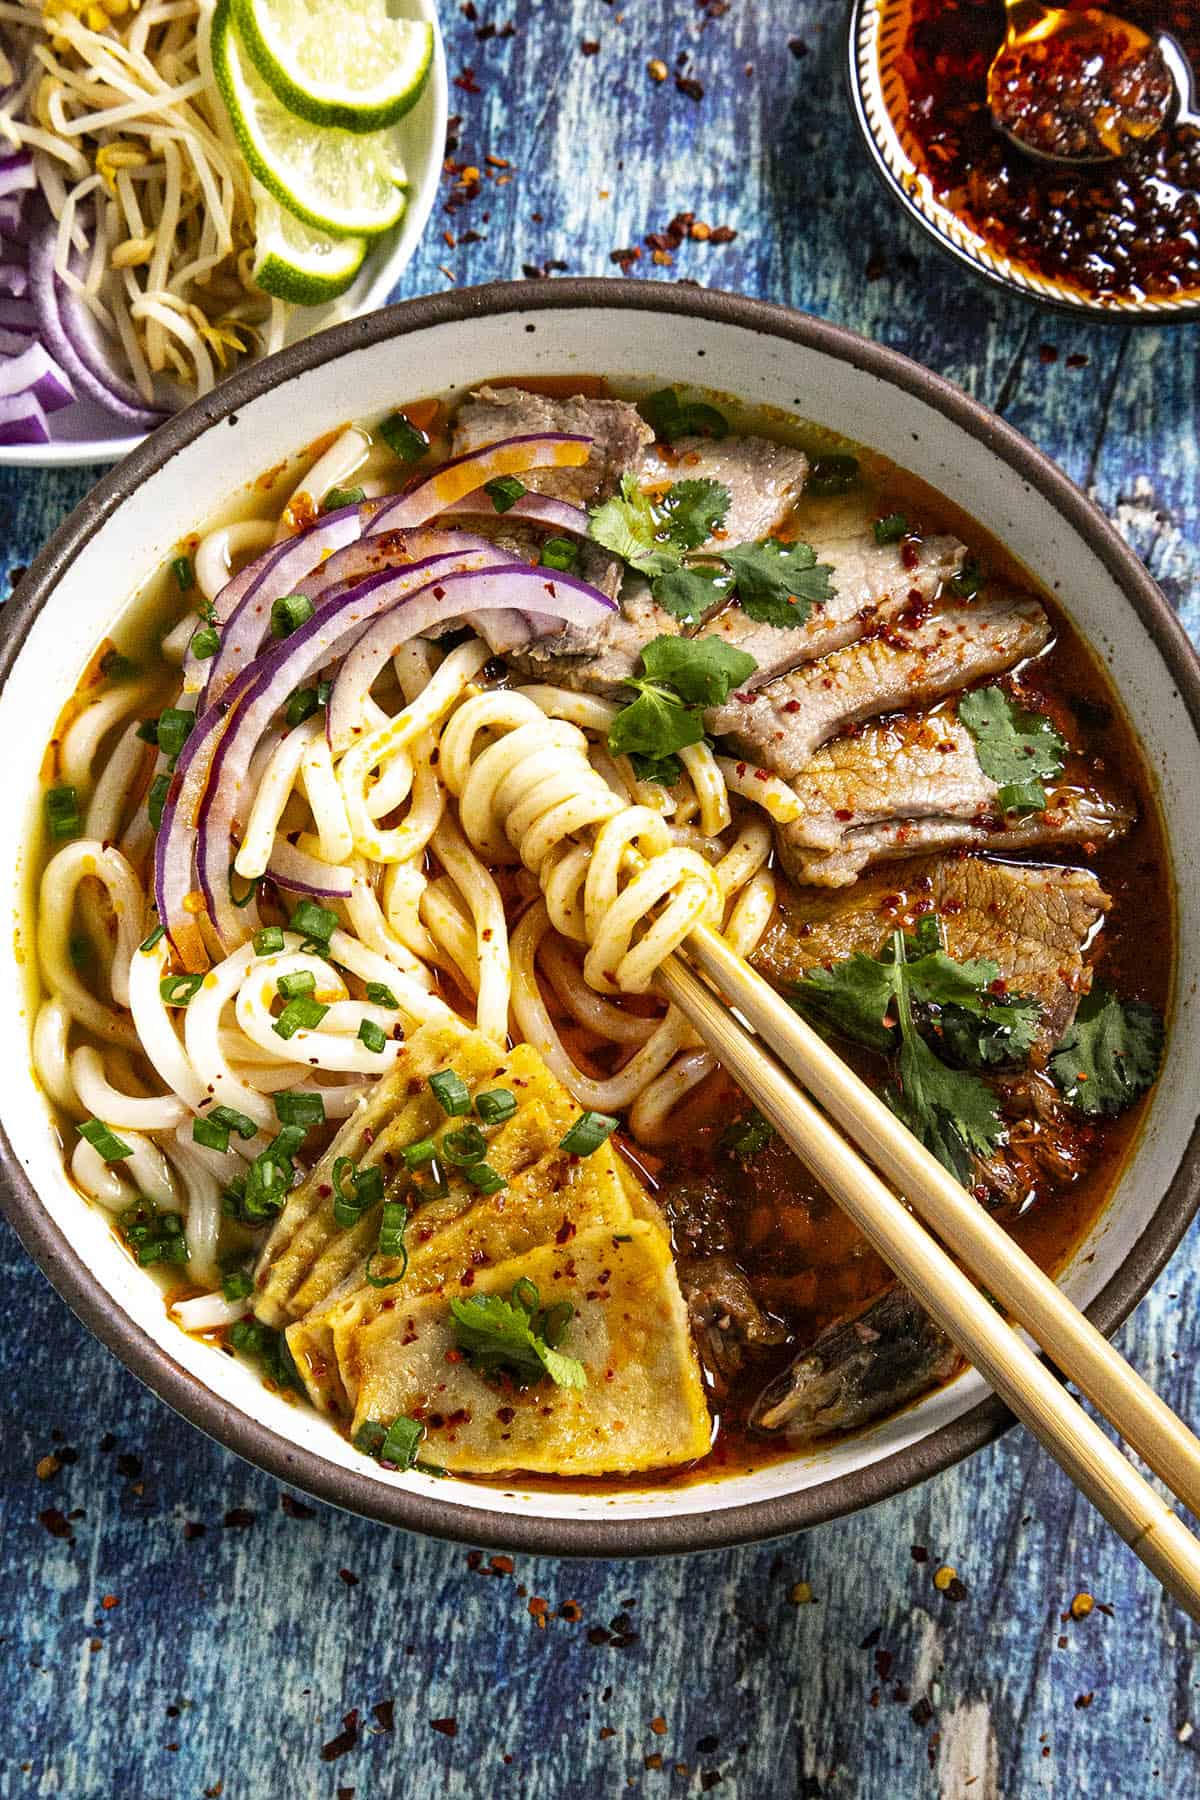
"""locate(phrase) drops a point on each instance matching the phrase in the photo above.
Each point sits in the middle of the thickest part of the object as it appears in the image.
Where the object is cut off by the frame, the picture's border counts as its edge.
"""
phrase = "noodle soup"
(366, 839)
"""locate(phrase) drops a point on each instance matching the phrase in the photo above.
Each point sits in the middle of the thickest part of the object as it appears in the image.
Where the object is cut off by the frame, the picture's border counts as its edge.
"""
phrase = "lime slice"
(345, 183)
(346, 64)
(295, 263)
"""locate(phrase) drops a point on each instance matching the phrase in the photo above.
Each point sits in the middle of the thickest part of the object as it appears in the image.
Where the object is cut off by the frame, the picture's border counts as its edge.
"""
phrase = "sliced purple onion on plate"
(33, 370)
(22, 420)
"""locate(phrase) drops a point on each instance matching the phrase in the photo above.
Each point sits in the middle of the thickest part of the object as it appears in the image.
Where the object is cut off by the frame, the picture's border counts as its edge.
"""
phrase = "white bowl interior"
(662, 347)
(86, 433)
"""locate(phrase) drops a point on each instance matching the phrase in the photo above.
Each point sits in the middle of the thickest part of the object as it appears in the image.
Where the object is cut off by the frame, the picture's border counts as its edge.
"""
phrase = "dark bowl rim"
(676, 1532)
(1082, 310)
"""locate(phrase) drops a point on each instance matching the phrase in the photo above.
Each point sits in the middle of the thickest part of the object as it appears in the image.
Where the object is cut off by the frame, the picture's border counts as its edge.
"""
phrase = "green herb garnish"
(680, 677)
(504, 492)
(495, 1105)
(63, 818)
(508, 1337)
(373, 1036)
(268, 1347)
(299, 1109)
(559, 553)
(1017, 749)
(890, 528)
(179, 990)
(381, 995)
(669, 417)
(1110, 1055)
(451, 1092)
(289, 612)
(153, 1236)
(301, 1014)
(337, 497)
(174, 727)
(205, 642)
(104, 1142)
(402, 438)
(590, 1130)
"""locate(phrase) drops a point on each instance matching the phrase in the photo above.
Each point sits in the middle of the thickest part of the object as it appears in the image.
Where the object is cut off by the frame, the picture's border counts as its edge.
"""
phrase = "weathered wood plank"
(232, 1656)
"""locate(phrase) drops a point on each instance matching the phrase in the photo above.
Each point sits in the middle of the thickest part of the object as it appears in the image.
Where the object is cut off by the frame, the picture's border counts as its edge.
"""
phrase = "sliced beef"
(727, 1320)
(1034, 921)
(916, 785)
(871, 583)
(599, 661)
(858, 1371)
(619, 437)
(764, 480)
(907, 664)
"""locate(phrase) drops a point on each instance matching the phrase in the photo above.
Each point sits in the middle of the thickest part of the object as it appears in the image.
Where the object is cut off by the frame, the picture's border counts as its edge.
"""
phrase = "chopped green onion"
(832, 475)
(303, 1013)
(314, 922)
(292, 986)
(403, 439)
(496, 1105)
(380, 994)
(524, 1294)
(391, 1243)
(269, 940)
(891, 528)
(451, 1092)
(369, 1437)
(299, 1109)
(481, 1175)
(289, 612)
(62, 813)
(467, 1145)
(79, 950)
(400, 1445)
(302, 704)
(211, 1133)
(505, 491)
(287, 1140)
(590, 1130)
(155, 937)
(174, 726)
(115, 666)
(184, 573)
(338, 497)
(205, 642)
(373, 1036)
(234, 1121)
(238, 1286)
(270, 1348)
(156, 799)
(967, 583)
(555, 1320)
(418, 1154)
(249, 894)
(104, 1142)
(366, 1188)
(153, 1236)
(559, 553)
(178, 990)
(206, 610)
(148, 731)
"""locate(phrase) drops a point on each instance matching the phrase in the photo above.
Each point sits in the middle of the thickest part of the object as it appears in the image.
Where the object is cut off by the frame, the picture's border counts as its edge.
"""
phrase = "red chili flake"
(722, 234)
(1083, 1700)
(653, 1761)
(709, 1778)
(193, 1529)
(345, 1740)
(1077, 360)
(56, 1524)
(659, 1726)
(502, 1565)
(709, 1744)
(296, 1509)
(465, 79)
(1047, 353)
(689, 87)
(590, 47)
(447, 1727)
(385, 1714)
(239, 1517)
(606, 1731)
(109, 1601)
(565, 1232)
(474, 1559)
(571, 1612)
(922, 1712)
(872, 1638)
(350, 1579)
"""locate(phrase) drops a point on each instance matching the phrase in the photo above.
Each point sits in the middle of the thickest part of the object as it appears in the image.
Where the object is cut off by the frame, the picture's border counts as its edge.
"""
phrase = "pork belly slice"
(871, 582)
(916, 785)
(764, 480)
(783, 725)
(1035, 921)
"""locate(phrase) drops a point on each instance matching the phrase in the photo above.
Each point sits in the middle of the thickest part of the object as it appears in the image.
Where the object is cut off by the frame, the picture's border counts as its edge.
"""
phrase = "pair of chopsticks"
(764, 1063)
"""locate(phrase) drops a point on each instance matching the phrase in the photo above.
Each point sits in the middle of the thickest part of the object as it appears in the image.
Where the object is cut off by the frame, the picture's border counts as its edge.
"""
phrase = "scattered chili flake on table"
(238, 1518)
(296, 1509)
(447, 1727)
(385, 1714)
(345, 1740)
(690, 87)
(1081, 1606)
(55, 1523)
(109, 1601)
(944, 1576)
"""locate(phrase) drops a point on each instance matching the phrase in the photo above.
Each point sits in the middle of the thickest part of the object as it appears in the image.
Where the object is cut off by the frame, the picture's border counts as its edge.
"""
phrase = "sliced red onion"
(243, 607)
(530, 509)
(303, 874)
(71, 336)
(33, 370)
(14, 278)
(463, 474)
(22, 420)
(376, 551)
(19, 315)
(12, 343)
(16, 173)
(428, 601)
(12, 209)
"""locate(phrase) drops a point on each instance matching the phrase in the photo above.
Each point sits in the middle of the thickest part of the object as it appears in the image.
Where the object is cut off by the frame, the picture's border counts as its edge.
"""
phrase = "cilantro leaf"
(669, 417)
(1110, 1055)
(953, 1114)
(666, 770)
(703, 671)
(656, 724)
(689, 593)
(992, 1032)
(628, 525)
(1016, 749)
(852, 998)
(833, 474)
(778, 584)
(691, 510)
(748, 1136)
(502, 1337)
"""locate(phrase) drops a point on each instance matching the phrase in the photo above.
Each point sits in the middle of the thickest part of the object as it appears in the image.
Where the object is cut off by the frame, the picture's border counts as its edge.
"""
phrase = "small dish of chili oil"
(1118, 239)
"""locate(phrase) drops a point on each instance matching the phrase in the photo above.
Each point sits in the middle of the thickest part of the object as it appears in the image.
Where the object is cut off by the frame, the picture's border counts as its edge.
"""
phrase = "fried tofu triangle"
(642, 1405)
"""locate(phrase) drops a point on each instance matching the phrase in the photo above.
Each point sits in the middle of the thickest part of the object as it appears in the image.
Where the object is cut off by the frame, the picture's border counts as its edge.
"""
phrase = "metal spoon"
(1127, 83)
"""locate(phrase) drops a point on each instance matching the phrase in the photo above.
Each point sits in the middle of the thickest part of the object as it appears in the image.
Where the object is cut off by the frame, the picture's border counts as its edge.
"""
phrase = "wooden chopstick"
(1098, 1370)
(1017, 1374)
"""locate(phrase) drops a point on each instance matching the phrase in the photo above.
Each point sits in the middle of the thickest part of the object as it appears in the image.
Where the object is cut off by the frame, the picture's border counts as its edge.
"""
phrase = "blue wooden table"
(173, 1625)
